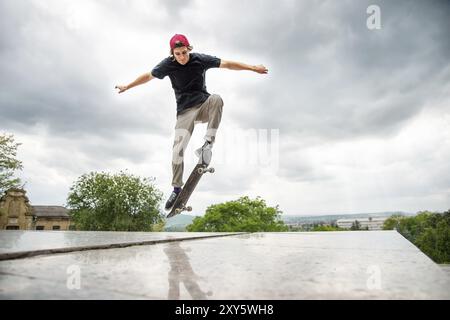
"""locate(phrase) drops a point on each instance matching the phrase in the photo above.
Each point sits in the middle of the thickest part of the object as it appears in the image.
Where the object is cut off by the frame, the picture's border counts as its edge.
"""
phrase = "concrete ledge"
(24, 244)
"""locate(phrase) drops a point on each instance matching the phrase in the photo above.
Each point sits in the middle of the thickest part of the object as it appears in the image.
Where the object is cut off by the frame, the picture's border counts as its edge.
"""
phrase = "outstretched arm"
(233, 65)
(146, 77)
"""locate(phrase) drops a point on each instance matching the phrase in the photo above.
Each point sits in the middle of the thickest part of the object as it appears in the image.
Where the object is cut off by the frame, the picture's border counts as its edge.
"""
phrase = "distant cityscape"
(373, 221)
(370, 221)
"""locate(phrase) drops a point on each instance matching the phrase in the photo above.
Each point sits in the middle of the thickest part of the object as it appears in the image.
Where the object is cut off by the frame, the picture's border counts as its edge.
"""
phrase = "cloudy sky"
(349, 119)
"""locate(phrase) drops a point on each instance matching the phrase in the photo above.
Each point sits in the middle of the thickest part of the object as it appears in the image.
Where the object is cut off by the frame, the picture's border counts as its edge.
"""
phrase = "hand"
(121, 88)
(261, 69)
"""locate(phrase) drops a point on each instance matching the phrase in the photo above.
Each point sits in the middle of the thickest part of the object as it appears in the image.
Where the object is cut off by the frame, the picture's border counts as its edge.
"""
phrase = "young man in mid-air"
(186, 71)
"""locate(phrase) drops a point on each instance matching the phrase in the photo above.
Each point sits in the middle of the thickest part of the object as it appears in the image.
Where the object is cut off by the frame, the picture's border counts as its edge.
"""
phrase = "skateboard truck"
(180, 210)
(204, 170)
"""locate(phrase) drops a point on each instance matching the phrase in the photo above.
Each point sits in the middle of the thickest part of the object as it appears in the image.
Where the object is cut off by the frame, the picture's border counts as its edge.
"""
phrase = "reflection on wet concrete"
(181, 272)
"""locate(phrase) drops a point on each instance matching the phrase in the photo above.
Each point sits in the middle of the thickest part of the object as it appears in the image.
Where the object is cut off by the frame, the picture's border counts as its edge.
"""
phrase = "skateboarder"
(186, 71)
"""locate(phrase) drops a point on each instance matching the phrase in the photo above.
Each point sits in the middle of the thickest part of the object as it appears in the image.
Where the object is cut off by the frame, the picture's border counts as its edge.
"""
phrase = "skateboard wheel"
(189, 209)
(212, 170)
(201, 170)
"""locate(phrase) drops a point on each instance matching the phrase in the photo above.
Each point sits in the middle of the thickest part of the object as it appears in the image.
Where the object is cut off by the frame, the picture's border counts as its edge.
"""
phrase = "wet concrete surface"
(315, 265)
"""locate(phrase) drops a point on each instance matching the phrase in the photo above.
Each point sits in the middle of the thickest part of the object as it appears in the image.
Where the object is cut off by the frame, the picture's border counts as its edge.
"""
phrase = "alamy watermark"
(374, 279)
(257, 148)
(73, 277)
(374, 20)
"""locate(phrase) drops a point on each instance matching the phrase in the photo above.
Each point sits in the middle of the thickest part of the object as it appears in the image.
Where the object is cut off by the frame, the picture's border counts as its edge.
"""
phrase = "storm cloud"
(362, 115)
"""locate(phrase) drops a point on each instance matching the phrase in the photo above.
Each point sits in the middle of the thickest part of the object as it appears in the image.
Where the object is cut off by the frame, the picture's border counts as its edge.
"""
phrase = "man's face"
(181, 55)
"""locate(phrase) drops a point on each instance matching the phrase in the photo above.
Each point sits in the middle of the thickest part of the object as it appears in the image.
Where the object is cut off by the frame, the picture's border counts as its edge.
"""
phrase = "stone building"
(51, 218)
(16, 213)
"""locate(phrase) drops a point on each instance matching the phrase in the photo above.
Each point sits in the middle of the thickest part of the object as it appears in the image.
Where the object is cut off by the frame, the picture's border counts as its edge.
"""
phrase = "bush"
(429, 231)
(242, 215)
(327, 228)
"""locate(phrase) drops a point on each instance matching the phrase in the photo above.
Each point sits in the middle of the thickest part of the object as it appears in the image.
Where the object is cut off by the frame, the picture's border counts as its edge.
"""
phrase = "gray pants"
(209, 111)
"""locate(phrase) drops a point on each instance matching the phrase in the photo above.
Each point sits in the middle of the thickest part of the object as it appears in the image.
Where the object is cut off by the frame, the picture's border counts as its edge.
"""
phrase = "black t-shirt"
(188, 81)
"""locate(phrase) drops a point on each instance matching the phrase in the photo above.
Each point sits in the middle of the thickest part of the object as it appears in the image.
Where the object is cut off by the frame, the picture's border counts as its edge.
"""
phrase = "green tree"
(8, 163)
(242, 215)
(392, 222)
(119, 202)
(429, 231)
(435, 240)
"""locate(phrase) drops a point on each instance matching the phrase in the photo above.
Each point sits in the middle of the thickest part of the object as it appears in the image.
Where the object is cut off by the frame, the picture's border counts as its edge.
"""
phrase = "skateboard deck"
(181, 202)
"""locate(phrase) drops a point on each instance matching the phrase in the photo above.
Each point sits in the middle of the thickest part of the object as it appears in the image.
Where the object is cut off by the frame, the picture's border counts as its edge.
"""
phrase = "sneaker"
(204, 153)
(171, 201)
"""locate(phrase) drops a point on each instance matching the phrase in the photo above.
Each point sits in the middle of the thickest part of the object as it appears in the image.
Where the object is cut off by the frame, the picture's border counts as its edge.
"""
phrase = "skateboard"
(181, 202)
